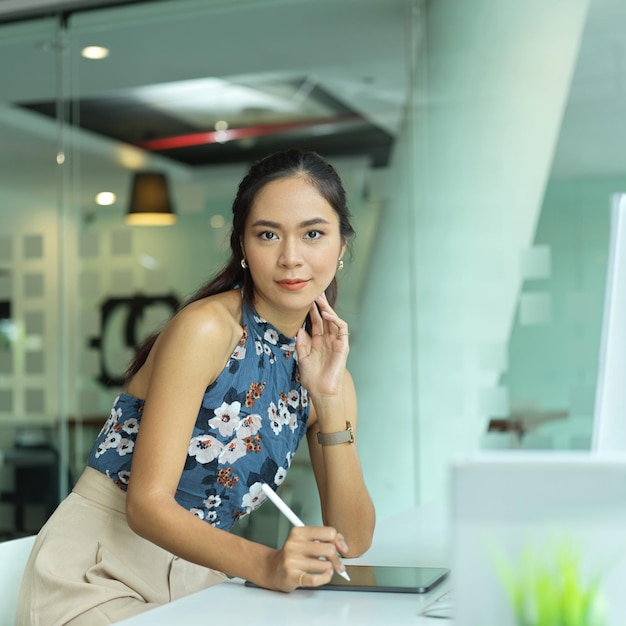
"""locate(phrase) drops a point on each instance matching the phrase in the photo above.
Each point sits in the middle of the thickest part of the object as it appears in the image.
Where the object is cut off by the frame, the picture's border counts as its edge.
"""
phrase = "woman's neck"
(286, 322)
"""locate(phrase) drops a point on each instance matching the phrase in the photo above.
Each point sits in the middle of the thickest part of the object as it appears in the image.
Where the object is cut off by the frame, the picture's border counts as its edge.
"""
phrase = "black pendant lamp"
(150, 203)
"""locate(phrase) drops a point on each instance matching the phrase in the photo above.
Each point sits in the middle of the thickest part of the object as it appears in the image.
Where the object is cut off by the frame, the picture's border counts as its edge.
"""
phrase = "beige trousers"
(88, 568)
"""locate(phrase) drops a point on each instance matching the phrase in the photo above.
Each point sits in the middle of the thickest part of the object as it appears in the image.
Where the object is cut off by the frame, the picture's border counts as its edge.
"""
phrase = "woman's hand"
(307, 559)
(322, 360)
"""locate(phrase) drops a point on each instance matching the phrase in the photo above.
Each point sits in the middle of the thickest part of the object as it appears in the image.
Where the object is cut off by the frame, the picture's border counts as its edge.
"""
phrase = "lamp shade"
(150, 203)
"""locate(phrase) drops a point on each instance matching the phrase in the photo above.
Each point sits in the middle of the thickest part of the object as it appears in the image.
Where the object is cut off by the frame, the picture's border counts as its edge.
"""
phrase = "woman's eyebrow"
(312, 222)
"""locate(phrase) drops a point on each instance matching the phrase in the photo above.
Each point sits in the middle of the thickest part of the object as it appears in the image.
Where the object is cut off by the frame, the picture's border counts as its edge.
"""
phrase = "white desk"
(418, 537)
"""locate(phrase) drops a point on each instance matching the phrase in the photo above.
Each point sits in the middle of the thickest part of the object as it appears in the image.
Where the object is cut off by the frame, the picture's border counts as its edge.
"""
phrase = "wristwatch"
(331, 439)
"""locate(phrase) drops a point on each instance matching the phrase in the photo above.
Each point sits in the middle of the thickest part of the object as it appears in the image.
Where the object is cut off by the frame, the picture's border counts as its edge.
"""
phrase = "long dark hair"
(307, 165)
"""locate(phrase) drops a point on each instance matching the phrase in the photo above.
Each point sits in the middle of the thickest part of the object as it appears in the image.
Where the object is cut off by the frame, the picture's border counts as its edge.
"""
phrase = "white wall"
(498, 78)
(382, 354)
(489, 99)
(574, 228)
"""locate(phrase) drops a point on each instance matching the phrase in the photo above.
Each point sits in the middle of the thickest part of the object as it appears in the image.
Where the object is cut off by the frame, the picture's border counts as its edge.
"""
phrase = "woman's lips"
(293, 284)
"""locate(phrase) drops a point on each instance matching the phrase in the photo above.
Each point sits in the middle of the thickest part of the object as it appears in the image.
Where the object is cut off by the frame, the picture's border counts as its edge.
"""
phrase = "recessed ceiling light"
(149, 262)
(221, 125)
(106, 198)
(95, 52)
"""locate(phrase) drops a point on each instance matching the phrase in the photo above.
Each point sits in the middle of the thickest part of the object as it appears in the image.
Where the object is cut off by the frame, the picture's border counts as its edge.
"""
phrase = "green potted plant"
(548, 588)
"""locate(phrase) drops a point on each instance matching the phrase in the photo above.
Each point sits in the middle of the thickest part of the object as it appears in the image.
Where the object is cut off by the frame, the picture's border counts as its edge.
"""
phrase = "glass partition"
(198, 93)
(30, 290)
(517, 166)
(479, 153)
(555, 338)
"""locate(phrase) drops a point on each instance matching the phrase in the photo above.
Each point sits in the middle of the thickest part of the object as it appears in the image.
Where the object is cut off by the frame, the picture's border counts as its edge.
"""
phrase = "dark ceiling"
(339, 131)
(18, 10)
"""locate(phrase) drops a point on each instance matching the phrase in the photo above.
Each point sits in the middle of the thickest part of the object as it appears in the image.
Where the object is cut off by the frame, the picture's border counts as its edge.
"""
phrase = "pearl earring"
(340, 265)
(244, 264)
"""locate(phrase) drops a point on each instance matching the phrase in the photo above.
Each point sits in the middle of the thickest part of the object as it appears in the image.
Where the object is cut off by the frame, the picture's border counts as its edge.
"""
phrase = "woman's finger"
(317, 322)
(341, 544)
(323, 304)
(340, 327)
(310, 579)
(331, 318)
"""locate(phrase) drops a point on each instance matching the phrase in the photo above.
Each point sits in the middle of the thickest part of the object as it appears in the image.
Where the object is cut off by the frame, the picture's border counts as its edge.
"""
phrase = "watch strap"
(332, 439)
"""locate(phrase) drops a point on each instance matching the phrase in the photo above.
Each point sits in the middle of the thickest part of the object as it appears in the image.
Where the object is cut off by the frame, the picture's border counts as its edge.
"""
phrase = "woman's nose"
(290, 254)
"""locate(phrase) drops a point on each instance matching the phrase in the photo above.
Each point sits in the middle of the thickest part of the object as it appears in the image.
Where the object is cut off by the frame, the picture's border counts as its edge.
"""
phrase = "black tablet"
(385, 578)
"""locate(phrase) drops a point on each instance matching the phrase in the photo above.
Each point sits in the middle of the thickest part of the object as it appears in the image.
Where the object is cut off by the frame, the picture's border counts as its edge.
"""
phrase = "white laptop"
(535, 512)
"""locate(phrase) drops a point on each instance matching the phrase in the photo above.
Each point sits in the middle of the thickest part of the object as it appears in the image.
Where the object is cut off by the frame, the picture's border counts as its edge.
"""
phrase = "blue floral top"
(250, 423)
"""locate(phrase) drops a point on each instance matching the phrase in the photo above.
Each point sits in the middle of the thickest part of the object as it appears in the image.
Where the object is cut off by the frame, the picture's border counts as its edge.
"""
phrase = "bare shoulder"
(216, 319)
(195, 343)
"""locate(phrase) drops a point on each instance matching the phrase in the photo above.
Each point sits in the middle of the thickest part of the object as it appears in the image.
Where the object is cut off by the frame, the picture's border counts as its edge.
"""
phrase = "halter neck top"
(249, 425)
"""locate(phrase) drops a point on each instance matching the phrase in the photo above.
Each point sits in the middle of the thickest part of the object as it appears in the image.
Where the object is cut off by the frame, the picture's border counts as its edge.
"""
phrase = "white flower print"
(289, 348)
(254, 498)
(204, 448)
(212, 517)
(233, 450)
(226, 418)
(271, 336)
(124, 476)
(125, 446)
(293, 422)
(281, 473)
(289, 458)
(212, 502)
(267, 350)
(283, 414)
(198, 512)
(239, 352)
(293, 398)
(112, 440)
(258, 346)
(272, 411)
(131, 426)
(276, 420)
(101, 450)
(249, 426)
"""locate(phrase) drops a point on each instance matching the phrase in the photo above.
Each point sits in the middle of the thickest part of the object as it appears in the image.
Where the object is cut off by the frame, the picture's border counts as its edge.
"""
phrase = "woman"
(215, 405)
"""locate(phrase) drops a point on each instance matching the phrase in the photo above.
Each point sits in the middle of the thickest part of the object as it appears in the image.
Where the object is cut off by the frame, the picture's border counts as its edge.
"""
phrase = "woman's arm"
(189, 354)
(345, 501)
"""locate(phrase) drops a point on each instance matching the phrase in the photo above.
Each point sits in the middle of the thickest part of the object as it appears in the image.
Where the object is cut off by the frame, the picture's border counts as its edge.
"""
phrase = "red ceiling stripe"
(222, 136)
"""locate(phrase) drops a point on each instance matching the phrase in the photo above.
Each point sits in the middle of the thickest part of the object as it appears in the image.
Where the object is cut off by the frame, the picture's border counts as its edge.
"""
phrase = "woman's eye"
(314, 234)
(267, 235)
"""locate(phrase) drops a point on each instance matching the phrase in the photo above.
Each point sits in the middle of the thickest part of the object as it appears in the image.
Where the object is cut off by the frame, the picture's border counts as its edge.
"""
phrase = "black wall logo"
(121, 321)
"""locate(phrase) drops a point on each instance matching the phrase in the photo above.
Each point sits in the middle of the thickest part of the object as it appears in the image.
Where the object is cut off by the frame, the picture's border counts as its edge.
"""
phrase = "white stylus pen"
(288, 513)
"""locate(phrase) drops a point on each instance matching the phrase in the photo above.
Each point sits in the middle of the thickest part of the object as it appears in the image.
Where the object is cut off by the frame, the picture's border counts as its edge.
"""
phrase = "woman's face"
(292, 244)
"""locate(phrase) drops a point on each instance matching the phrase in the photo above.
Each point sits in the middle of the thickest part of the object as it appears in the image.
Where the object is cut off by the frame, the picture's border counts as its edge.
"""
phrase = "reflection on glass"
(7, 325)
(480, 195)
